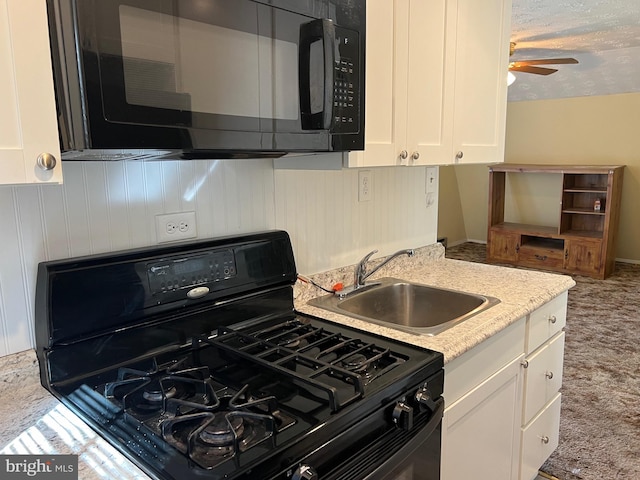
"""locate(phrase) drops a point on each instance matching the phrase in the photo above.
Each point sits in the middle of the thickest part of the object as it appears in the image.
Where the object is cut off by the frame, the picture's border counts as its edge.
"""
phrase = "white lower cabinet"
(483, 398)
(540, 439)
(543, 365)
(543, 376)
(484, 424)
(502, 415)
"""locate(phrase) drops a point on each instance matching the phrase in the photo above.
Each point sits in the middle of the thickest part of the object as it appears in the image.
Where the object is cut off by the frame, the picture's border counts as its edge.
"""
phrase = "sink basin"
(407, 306)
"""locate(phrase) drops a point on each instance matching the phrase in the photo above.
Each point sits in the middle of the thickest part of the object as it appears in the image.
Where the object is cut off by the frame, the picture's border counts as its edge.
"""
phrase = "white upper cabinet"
(29, 145)
(480, 84)
(436, 82)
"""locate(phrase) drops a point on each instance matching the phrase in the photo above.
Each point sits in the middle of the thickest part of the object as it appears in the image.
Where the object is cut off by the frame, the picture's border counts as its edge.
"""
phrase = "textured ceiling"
(603, 35)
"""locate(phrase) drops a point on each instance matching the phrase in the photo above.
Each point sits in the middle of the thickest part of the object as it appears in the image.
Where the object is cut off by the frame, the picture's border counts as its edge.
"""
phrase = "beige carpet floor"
(600, 413)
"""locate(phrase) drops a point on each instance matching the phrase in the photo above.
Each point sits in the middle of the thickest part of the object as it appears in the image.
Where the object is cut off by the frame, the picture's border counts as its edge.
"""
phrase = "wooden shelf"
(585, 190)
(583, 211)
(582, 233)
(528, 229)
(582, 242)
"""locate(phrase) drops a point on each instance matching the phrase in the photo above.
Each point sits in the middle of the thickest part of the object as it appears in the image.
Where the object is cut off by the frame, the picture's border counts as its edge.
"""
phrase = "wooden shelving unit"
(582, 242)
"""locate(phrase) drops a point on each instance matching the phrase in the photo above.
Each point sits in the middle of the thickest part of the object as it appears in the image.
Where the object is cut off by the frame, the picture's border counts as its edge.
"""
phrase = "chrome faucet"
(361, 273)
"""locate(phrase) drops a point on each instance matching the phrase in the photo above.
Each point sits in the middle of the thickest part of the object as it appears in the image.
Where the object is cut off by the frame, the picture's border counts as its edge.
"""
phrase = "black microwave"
(207, 78)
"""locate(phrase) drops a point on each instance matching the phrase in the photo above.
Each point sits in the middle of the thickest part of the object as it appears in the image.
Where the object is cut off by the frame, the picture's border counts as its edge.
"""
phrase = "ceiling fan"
(530, 66)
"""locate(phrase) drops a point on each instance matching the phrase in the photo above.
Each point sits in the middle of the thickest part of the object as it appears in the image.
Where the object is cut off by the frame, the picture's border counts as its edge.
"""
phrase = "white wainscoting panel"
(329, 227)
(110, 206)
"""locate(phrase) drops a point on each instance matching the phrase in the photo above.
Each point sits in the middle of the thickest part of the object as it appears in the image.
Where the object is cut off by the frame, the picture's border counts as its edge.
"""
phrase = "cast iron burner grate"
(212, 437)
(336, 366)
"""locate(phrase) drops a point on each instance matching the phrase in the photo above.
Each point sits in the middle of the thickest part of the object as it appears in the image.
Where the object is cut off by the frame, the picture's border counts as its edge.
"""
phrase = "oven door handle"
(412, 445)
(312, 118)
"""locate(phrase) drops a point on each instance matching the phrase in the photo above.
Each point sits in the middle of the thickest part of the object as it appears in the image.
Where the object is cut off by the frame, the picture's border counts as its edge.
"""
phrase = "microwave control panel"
(346, 94)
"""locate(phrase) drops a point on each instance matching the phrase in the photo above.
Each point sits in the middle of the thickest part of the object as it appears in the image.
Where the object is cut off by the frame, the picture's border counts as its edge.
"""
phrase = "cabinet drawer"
(473, 367)
(540, 439)
(545, 322)
(543, 376)
(541, 257)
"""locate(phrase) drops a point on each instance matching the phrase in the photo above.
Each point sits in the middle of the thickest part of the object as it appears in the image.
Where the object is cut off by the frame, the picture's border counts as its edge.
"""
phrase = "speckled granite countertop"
(33, 421)
(520, 292)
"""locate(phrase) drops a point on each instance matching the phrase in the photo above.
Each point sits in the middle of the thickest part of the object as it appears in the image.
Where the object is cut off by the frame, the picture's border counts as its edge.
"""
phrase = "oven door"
(234, 75)
(379, 448)
(419, 459)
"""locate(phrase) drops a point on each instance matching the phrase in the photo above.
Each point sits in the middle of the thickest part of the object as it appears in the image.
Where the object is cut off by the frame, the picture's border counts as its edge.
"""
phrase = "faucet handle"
(366, 258)
(360, 272)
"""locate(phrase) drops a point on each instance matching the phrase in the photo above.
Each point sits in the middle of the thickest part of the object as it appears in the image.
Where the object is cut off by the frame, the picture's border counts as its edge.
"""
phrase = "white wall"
(112, 206)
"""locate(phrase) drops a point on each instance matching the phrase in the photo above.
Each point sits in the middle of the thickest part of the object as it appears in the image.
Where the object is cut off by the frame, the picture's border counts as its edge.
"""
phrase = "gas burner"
(360, 364)
(222, 430)
(291, 340)
(355, 361)
(156, 396)
(211, 438)
(171, 389)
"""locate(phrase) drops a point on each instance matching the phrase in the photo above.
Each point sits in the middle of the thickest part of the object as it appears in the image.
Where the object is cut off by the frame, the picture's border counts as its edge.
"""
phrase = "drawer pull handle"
(544, 439)
(552, 319)
(525, 363)
(549, 375)
(542, 258)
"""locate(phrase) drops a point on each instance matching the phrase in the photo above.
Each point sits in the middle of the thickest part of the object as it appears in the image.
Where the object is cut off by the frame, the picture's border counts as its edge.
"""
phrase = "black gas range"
(192, 361)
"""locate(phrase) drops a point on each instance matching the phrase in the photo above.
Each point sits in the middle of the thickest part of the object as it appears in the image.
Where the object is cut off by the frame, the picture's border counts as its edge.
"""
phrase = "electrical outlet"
(171, 227)
(365, 186)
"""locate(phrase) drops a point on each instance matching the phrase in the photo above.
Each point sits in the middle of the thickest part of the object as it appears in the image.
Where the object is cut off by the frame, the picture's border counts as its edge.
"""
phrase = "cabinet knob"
(46, 161)
(552, 319)
(525, 363)
(544, 439)
(404, 154)
(549, 375)
(459, 155)
(415, 155)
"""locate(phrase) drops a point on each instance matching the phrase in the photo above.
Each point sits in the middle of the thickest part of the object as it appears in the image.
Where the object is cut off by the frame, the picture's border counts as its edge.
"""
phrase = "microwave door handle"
(310, 33)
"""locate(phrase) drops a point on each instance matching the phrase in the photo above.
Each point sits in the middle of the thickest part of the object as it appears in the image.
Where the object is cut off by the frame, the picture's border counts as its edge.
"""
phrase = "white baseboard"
(471, 240)
(628, 260)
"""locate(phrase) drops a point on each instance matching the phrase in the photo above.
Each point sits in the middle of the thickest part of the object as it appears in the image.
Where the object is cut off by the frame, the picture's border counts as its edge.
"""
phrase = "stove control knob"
(305, 472)
(403, 416)
(423, 396)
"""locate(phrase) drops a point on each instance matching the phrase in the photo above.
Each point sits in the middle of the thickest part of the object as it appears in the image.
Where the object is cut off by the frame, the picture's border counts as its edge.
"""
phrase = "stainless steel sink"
(412, 307)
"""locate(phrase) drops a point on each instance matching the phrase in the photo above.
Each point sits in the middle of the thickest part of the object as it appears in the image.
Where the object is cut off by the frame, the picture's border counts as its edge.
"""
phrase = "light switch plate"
(432, 180)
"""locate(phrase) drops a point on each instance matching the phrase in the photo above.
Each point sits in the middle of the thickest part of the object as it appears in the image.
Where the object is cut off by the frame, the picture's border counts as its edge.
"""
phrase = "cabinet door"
(28, 125)
(480, 431)
(503, 246)
(540, 439)
(583, 255)
(481, 67)
(430, 97)
(386, 84)
(543, 376)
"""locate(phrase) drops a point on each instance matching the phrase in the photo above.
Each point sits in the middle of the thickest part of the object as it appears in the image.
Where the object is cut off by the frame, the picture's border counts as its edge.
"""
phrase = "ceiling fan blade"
(548, 61)
(515, 67)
